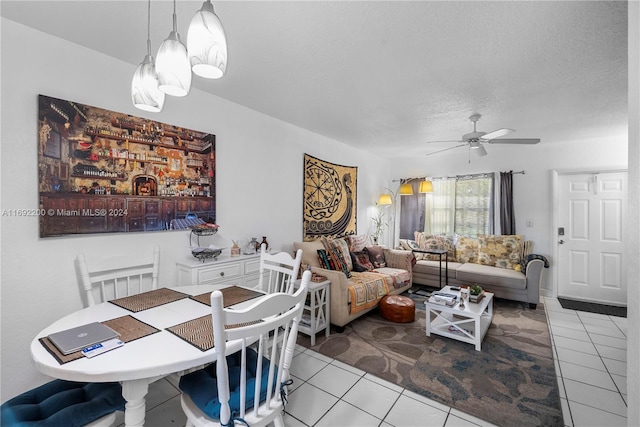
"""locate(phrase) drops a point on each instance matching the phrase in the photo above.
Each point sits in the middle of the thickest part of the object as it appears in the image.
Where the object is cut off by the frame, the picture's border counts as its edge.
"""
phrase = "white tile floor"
(590, 356)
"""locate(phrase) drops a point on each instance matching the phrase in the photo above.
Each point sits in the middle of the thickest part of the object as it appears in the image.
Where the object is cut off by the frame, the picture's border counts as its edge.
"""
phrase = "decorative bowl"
(206, 253)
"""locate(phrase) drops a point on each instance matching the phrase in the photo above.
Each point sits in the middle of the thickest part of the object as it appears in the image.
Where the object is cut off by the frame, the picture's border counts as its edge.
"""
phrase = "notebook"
(75, 339)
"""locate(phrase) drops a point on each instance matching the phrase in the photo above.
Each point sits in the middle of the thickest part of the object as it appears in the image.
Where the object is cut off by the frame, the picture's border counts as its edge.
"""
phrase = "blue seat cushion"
(202, 385)
(62, 403)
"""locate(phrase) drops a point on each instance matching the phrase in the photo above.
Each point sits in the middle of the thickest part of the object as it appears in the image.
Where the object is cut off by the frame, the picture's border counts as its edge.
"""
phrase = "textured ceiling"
(390, 76)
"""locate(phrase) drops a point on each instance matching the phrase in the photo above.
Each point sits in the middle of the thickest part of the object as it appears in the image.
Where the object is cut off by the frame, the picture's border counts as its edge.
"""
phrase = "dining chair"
(64, 403)
(118, 276)
(278, 271)
(248, 383)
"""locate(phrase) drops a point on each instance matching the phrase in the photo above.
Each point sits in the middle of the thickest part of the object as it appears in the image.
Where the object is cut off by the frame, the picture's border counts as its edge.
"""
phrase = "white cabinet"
(243, 270)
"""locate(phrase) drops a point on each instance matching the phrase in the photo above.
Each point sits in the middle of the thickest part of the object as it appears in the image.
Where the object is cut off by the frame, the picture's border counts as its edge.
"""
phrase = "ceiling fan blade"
(515, 141)
(433, 142)
(497, 133)
(446, 149)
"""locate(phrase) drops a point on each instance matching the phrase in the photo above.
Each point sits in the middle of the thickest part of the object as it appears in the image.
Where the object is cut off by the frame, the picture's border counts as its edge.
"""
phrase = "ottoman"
(397, 308)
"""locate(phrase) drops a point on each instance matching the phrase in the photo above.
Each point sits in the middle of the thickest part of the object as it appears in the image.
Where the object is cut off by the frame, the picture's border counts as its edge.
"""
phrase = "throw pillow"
(339, 245)
(361, 261)
(376, 256)
(500, 251)
(332, 260)
(467, 249)
(358, 243)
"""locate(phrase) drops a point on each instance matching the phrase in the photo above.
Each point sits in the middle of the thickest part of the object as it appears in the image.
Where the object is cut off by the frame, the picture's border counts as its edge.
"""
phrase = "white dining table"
(137, 363)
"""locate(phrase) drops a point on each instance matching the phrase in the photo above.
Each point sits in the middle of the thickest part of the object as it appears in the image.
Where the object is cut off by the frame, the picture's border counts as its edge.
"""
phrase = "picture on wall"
(330, 195)
(103, 172)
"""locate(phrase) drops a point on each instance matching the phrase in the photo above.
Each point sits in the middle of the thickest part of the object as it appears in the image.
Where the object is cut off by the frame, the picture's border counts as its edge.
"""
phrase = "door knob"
(561, 242)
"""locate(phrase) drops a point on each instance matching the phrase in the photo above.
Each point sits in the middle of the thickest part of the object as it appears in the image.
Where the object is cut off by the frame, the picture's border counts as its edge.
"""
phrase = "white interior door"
(592, 213)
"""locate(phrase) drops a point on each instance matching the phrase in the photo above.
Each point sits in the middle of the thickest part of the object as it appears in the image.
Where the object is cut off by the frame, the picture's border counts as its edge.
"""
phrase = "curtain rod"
(403, 180)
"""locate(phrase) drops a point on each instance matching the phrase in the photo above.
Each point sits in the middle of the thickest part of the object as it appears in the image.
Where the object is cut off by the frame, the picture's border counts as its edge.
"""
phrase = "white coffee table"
(468, 325)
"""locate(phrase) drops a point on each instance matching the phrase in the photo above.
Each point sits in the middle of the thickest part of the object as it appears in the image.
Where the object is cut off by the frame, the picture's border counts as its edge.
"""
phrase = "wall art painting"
(103, 172)
(330, 194)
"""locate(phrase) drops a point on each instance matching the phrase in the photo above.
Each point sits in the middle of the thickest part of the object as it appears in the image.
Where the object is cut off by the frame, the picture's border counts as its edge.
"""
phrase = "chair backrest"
(278, 271)
(118, 276)
(272, 323)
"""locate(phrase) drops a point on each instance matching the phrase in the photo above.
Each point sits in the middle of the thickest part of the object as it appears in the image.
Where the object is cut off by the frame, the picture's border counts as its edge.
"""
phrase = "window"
(460, 205)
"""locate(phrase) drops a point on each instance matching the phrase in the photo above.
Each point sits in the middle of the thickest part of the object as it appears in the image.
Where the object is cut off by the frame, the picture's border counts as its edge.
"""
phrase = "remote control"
(455, 288)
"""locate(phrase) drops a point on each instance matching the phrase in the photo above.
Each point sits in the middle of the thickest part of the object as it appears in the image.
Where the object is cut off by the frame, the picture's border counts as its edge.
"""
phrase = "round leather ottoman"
(397, 308)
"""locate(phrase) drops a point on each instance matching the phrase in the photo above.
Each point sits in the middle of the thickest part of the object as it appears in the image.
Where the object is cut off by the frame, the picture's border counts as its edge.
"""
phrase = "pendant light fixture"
(145, 94)
(207, 43)
(172, 63)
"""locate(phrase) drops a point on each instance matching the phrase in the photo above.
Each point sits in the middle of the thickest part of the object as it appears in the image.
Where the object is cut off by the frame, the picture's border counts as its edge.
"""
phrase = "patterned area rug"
(512, 381)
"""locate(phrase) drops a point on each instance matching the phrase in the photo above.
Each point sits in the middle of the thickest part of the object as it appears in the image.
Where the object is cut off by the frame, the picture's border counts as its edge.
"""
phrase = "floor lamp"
(389, 199)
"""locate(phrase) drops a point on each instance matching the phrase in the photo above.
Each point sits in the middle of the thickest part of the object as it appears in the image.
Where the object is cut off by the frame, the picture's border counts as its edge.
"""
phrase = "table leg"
(446, 267)
(440, 272)
(313, 296)
(134, 393)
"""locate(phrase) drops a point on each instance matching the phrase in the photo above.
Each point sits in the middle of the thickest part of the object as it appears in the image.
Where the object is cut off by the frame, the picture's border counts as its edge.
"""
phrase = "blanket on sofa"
(365, 290)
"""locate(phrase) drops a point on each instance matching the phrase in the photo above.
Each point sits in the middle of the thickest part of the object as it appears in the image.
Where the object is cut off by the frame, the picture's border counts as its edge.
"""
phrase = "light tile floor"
(590, 356)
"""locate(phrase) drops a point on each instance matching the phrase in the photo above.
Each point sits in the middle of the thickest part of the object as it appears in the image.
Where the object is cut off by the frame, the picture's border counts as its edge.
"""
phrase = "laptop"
(75, 339)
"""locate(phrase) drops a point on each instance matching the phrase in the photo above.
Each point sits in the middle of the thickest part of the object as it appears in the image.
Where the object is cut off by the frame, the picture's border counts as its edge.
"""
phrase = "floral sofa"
(500, 264)
(360, 273)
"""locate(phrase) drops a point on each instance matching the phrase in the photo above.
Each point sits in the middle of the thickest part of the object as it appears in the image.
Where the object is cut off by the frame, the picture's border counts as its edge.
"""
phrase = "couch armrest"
(398, 258)
(339, 294)
(534, 280)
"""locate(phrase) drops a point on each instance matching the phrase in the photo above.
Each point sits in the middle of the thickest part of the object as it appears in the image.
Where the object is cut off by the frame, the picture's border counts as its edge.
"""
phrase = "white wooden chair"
(236, 387)
(118, 276)
(278, 271)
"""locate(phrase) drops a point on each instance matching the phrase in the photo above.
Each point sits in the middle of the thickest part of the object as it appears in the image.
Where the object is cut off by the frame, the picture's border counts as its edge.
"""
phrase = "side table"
(438, 252)
(317, 310)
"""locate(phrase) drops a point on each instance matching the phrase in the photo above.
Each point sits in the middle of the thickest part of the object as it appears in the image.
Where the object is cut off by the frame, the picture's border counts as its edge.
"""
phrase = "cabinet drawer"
(252, 266)
(222, 272)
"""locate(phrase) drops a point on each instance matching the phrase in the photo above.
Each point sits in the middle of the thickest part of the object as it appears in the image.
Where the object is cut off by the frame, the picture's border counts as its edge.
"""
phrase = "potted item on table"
(476, 293)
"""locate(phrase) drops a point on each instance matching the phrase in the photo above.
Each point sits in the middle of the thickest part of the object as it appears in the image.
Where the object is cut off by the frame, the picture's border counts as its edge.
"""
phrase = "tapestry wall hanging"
(330, 194)
(104, 172)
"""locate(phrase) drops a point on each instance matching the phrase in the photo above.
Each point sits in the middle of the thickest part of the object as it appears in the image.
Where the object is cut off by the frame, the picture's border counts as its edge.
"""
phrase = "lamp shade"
(405, 189)
(426, 187)
(145, 94)
(385, 199)
(207, 43)
(173, 67)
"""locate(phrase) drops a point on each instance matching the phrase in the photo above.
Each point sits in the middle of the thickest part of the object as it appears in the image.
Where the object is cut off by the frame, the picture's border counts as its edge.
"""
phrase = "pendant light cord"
(149, 28)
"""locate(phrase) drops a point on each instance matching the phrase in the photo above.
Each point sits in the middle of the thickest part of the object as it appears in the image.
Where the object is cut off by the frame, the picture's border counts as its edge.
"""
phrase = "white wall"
(533, 191)
(259, 183)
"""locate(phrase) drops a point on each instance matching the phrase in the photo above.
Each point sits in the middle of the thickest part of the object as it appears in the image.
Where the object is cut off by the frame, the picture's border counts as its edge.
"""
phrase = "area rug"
(512, 381)
(592, 307)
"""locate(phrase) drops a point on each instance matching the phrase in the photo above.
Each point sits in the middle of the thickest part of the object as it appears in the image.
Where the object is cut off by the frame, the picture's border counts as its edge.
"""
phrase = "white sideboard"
(243, 270)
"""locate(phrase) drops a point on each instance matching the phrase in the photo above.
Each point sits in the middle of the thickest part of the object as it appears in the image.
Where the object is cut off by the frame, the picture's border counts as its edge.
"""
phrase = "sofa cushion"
(331, 259)
(376, 256)
(500, 251)
(467, 249)
(489, 276)
(433, 268)
(365, 290)
(397, 276)
(309, 253)
(361, 261)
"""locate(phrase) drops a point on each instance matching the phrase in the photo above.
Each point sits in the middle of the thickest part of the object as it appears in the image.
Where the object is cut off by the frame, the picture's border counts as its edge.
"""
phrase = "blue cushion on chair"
(202, 385)
(62, 403)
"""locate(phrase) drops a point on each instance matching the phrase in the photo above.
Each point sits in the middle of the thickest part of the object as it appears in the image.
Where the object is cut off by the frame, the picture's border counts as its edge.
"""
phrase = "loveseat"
(360, 273)
(499, 264)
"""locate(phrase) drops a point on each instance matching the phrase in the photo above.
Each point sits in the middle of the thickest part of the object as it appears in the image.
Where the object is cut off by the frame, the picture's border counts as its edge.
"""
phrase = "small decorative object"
(379, 224)
(235, 249)
(251, 246)
(476, 293)
(206, 253)
(264, 242)
(464, 296)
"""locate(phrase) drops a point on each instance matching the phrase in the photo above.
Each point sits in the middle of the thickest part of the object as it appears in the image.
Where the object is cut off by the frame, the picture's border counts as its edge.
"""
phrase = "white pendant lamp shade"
(145, 94)
(144, 87)
(172, 63)
(207, 43)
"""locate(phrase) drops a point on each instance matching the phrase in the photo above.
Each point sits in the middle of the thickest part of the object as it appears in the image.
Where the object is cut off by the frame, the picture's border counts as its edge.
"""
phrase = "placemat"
(230, 296)
(199, 332)
(150, 299)
(129, 328)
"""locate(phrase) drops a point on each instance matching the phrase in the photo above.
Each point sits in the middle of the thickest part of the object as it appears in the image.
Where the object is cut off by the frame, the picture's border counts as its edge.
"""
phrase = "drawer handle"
(222, 273)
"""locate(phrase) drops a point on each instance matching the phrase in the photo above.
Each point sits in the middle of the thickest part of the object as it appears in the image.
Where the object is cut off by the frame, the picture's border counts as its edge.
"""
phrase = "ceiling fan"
(475, 139)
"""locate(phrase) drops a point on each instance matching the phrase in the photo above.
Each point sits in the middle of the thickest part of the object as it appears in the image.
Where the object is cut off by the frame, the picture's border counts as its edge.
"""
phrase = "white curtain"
(442, 205)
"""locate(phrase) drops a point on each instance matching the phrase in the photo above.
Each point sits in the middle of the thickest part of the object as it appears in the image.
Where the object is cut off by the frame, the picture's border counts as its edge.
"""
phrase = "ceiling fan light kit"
(206, 56)
(475, 140)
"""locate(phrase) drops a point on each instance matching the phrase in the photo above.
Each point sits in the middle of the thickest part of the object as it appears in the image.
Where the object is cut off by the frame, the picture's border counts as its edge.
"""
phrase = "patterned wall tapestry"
(330, 192)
